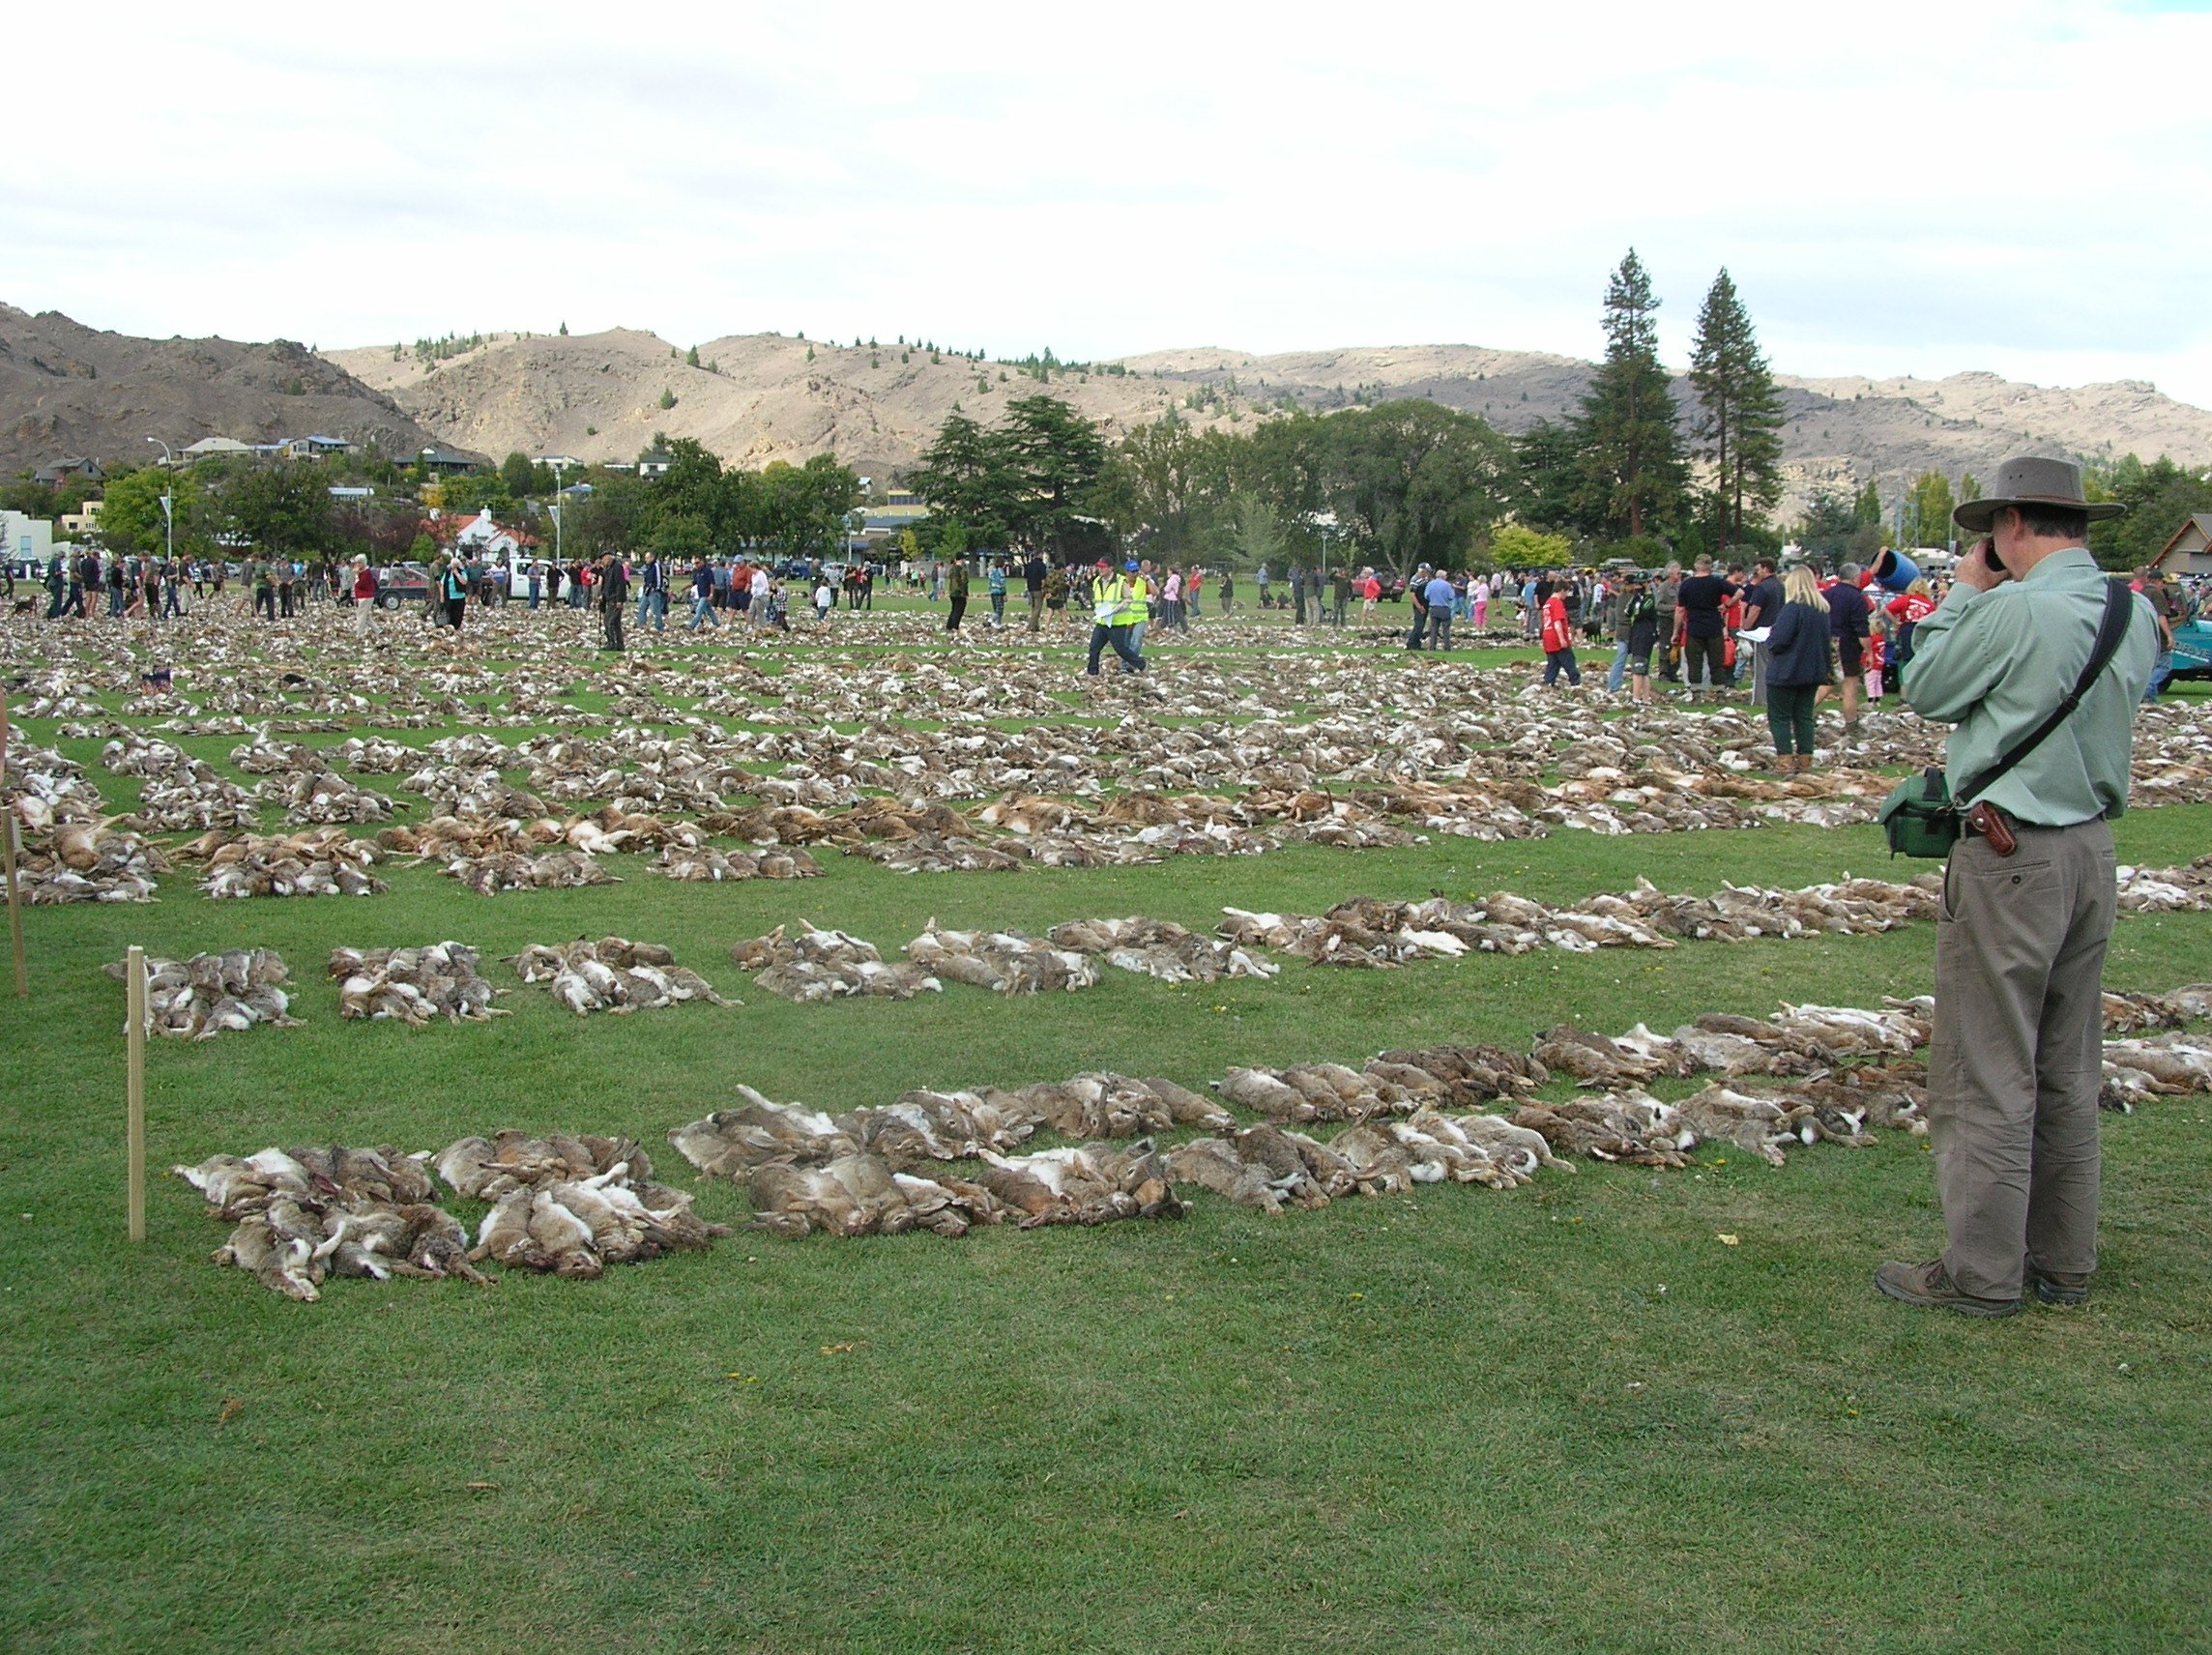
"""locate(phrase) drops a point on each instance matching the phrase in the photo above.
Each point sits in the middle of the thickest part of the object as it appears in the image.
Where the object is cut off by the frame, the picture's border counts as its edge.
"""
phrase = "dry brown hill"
(599, 396)
(66, 389)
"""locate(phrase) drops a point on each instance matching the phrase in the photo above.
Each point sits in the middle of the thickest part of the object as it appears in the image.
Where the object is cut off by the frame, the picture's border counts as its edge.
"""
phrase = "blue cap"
(1131, 566)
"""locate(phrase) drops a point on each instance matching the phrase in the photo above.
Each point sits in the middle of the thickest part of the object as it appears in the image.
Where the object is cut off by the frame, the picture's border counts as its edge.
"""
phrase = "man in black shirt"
(1703, 634)
(1761, 605)
(614, 595)
(1849, 617)
(1032, 583)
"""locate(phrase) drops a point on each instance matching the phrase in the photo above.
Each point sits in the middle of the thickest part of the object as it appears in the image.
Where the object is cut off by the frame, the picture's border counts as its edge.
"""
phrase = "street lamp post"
(169, 501)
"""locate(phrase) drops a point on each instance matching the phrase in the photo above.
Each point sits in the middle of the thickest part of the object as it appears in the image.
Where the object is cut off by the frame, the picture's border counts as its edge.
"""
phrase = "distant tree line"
(1396, 483)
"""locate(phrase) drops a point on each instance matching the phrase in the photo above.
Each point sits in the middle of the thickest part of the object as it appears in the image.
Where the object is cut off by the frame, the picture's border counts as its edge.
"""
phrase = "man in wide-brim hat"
(2028, 894)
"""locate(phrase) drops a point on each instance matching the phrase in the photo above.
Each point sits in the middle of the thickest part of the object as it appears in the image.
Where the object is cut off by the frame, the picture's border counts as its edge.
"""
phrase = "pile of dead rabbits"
(560, 1206)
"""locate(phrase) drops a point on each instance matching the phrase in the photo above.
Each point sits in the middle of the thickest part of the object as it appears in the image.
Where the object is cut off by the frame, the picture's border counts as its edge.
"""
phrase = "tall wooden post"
(8, 860)
(134, 983)
(14, 901)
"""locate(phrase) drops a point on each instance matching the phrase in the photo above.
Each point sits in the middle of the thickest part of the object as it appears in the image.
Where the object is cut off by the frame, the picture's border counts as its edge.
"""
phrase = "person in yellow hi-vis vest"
(1142, 591)
(1116, 604)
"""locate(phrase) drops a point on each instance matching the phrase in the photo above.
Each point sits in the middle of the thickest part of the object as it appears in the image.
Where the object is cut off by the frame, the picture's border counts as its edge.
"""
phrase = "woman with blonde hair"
(1797, 668)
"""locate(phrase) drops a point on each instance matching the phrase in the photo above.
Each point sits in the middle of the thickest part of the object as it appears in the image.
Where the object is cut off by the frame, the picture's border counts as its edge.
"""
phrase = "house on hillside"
(558, 462)
(82, 523)
(215, 449)
(446, 461)
(48, 476)
(2190, 551)
(652, 463)
(315, 447)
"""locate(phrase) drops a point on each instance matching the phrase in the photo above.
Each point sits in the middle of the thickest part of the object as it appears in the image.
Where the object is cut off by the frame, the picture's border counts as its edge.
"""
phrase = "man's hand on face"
(1979, 569)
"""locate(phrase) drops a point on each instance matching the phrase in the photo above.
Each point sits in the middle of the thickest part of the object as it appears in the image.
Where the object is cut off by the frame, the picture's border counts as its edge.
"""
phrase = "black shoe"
(2055, 1287)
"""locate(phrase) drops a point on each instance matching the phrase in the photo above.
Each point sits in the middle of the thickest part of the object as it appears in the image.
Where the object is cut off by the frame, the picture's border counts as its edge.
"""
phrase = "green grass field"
(1566, 1417)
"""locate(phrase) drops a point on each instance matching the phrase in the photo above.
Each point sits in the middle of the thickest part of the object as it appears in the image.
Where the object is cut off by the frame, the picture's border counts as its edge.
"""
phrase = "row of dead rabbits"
(572, 1206)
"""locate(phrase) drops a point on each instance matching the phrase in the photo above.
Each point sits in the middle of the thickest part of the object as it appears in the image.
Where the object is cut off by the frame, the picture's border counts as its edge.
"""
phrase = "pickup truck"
(402, 583)
(2192, 648)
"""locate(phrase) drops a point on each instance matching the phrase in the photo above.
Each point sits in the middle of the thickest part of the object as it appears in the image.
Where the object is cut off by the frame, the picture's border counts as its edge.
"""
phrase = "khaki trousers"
(2018, 1055)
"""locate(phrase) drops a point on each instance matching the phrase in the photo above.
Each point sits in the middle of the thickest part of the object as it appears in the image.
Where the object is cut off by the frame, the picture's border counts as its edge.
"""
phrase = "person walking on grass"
(614, 597)
(702, 598)
(453, 593)
(1796, 669)
(1442, 599)
(1701, 630)
(995, 582)
(1644, 635)
(1112, 600)
(1763, 602)
(2014, 1067)
(364, 597)
(1849, 621)
(1618, 624)
(1033, 574)
(653, 595)
(1559, 640)
(957, 578)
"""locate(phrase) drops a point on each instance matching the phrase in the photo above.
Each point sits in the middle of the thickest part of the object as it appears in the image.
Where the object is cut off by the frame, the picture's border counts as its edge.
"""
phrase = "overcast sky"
(1897, 188)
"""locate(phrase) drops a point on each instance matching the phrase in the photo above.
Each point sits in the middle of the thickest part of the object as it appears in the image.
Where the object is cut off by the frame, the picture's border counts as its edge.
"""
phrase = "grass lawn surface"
(1566, 1417)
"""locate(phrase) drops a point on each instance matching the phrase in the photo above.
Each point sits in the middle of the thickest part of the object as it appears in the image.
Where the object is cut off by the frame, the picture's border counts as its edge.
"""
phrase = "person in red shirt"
(363, 594)
(1731, 622)
(1907, 610)
(1559, 640)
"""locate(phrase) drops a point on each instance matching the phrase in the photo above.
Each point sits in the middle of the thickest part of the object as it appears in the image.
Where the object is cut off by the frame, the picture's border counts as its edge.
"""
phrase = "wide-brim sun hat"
(2034, 482)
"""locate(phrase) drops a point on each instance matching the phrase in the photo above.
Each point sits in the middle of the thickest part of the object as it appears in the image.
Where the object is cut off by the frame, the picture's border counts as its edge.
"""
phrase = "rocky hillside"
(765, 397)
(66, 389)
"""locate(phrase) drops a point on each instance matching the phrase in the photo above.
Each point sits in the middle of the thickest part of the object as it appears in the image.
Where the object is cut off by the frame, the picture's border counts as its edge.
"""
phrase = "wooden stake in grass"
(134, 986)
(15, 901)
(8, 856)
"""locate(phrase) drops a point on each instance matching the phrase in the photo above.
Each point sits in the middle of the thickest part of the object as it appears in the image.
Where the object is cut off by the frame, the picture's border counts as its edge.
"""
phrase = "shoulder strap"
(2119, 602)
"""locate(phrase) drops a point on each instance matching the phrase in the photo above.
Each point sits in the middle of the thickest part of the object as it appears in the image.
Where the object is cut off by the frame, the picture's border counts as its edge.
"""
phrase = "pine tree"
(1632, 474)
(692, 360)
(1740, 413)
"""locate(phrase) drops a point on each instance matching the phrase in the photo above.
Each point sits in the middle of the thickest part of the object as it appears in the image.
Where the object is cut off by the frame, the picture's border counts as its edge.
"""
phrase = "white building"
(28, 540)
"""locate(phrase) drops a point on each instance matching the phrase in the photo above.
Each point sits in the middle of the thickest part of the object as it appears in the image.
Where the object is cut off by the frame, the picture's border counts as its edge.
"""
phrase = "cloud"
(1896, 189)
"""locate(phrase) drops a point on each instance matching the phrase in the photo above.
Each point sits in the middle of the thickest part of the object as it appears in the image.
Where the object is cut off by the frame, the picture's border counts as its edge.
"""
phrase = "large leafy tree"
(131, 511)
(1547, 476)
(801, 508)
(1928, 505)
(1739, 426)
(1055, 456)
(966, 474)
(2160, 497)
(1415, 481)
(283, 506)
(1155, 485)
(1633, 480)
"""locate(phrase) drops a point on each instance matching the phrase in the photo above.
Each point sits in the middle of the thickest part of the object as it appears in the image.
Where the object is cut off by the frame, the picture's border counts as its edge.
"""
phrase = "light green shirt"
(1998, 663)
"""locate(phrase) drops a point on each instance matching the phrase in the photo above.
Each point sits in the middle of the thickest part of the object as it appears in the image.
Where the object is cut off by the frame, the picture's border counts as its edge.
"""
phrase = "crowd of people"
(88, 584)
(1708, 632)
